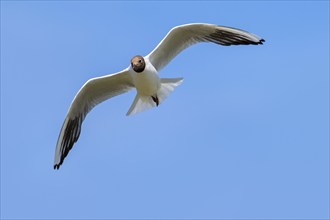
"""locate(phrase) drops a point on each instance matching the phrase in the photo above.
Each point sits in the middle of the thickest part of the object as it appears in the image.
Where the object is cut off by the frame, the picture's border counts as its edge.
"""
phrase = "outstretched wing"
(181, 37)
(94, 91)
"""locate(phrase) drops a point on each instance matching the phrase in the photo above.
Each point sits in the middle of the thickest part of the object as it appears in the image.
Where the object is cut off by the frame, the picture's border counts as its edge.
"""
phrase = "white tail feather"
(167, 86)
(142, 103)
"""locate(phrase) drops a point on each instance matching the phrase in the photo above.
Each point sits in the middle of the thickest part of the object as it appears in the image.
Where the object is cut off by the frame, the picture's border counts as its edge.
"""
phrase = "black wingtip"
(56, 166)
(71, 135)
(261, 41)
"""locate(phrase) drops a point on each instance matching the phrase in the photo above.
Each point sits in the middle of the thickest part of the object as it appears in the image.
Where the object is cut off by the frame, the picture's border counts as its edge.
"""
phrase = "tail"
(142, 103)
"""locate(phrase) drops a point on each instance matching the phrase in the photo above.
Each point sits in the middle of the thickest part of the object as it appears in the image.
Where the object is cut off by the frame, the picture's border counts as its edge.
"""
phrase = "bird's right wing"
(93, 92)
(181, 37)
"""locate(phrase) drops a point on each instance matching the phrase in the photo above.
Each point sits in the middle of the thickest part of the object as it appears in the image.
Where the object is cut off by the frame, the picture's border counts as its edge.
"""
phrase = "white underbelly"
(147, 83)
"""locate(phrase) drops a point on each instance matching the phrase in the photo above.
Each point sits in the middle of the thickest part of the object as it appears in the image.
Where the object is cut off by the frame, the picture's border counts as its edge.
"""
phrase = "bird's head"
(138, 64)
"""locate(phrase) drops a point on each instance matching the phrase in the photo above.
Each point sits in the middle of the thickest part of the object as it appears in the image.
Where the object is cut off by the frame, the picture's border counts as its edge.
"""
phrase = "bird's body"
(147, 82)
(143, 75)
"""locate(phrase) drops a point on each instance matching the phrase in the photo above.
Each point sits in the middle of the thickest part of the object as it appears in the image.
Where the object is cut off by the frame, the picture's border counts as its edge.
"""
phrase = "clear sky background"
(245, 136)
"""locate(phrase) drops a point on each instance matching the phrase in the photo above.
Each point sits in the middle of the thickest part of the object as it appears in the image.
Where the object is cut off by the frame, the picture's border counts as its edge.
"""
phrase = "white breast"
(147, 82)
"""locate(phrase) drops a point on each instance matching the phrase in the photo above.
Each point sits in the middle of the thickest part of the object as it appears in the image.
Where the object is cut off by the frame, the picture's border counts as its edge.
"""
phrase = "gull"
(142, 75)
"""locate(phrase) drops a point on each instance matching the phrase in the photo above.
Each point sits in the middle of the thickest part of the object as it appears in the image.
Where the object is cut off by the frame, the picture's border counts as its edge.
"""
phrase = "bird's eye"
(140, 61)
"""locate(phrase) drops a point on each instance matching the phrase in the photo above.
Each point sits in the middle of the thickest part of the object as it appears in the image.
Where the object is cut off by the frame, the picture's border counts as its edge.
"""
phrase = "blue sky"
(246, 135)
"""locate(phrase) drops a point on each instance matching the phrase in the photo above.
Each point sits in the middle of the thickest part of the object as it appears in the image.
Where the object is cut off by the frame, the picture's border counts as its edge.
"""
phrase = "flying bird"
(142, 75)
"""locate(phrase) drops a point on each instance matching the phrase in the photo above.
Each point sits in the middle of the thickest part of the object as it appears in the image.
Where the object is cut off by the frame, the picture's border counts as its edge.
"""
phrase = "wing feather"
(181, 37)
(93, 92)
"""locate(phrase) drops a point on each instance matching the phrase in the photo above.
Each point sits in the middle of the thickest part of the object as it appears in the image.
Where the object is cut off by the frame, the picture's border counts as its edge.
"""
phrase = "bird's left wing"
(93, 92)
(181, 37)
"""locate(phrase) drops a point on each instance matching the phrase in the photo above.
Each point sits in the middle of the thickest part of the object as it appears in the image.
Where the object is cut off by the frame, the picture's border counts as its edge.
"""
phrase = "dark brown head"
(138, 64)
